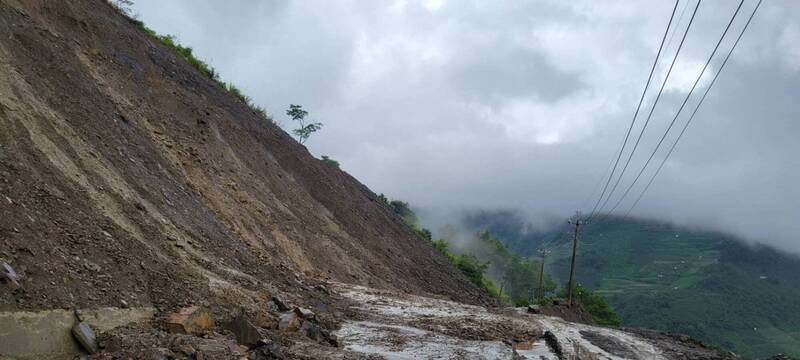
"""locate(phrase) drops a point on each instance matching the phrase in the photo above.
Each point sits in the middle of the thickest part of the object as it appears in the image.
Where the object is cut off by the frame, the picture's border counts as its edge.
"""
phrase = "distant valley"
(704, 284)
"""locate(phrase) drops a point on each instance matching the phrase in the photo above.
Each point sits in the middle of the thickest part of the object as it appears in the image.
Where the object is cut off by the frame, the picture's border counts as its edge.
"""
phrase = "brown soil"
(575, 313)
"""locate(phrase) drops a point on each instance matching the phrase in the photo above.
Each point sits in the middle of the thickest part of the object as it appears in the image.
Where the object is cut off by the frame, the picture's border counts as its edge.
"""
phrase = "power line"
(650, 115)
(685, 126)
(596, 188)
(678, 113)
(675, 28)
(638, 107)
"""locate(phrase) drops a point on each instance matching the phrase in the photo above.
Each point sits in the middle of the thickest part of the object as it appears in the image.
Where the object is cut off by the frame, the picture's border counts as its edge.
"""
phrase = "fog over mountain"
(455, 105)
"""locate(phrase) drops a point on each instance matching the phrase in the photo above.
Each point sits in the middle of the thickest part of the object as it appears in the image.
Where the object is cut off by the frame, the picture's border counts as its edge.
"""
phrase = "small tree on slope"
(305, 130)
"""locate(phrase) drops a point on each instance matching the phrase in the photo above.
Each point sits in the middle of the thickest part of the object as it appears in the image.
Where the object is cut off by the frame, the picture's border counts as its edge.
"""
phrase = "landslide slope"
(125, 174)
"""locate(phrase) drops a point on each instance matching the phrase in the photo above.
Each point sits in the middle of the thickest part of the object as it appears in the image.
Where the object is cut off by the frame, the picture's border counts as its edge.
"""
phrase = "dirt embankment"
(127, 177)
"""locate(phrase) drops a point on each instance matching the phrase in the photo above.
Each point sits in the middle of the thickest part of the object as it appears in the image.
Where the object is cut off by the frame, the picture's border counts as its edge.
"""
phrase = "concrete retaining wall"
(46, 334)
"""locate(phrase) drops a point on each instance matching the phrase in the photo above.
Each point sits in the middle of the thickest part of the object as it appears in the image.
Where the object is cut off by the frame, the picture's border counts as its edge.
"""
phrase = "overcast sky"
(522, 104)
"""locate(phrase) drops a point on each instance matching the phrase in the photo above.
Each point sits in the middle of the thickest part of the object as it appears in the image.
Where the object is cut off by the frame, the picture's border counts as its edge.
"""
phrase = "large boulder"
(304, 313)
(245, 332)
(85, 336)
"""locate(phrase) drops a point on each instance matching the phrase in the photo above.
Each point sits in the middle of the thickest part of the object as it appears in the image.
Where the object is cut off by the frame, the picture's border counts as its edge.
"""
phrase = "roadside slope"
(125, 174)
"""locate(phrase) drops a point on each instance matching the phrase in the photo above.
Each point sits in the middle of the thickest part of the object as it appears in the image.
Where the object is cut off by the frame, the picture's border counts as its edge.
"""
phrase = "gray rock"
(85, 336)
(304, 313)
(245, 332)
(311, 331)
(552, 342)
(10, 276)
(266, 350)
(280, 304)
(534, 309)
(331, 338)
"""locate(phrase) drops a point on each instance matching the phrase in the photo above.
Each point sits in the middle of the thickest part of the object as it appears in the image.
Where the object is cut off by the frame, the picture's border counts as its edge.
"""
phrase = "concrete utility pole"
(541, 275)
(577, 222)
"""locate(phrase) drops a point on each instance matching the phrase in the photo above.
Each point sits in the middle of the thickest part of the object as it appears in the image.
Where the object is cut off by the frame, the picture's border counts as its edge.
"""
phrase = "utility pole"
(541, 275)
(577, 223)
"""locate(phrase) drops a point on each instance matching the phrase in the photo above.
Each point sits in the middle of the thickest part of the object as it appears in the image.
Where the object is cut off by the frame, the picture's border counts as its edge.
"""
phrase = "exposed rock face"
(125, 174)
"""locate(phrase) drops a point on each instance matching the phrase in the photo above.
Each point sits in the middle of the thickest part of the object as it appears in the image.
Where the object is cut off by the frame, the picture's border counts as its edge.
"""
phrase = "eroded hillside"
(126, 176)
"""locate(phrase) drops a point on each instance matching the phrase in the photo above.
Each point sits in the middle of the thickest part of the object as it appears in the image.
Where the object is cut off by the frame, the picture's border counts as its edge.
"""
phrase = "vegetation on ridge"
(186, 54)
(469, 265)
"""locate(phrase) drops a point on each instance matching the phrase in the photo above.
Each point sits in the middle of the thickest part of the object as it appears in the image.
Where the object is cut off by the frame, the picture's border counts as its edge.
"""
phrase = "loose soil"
(126, 175)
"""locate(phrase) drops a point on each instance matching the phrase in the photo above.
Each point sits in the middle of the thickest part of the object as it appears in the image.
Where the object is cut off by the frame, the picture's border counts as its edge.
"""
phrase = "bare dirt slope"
(126, 175)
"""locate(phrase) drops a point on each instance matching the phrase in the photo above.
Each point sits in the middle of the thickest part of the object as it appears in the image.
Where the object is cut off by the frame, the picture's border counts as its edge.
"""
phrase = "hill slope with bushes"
(703, 284)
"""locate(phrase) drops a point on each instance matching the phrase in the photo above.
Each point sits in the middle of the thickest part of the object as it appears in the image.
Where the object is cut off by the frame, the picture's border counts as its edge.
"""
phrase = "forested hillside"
(703, 284)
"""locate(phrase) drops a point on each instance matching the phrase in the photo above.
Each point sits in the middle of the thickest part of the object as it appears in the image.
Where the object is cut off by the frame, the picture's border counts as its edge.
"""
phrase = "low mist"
(454, 106)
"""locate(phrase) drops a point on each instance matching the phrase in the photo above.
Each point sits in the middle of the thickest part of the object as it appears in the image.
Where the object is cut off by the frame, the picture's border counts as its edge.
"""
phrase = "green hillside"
(703, 284)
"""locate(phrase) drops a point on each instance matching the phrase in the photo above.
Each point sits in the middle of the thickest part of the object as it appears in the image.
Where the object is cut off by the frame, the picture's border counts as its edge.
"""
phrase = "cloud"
(522, 104)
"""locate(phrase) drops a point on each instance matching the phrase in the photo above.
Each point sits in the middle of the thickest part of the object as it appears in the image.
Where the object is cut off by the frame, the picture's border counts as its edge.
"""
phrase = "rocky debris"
(280, 304)
(781, 357)
(264, 319)
(331, 338)
(9, 276)
(266, 350)
(534, 309)
(311, 330)
(79, 314)
(304, 313)
(245, 332)
(610, 345)
(681, 346)
(289, 322)
(552, 343)
(322, 288)
(214, 346)
(190, 320)
(85, 336)
(575, 313)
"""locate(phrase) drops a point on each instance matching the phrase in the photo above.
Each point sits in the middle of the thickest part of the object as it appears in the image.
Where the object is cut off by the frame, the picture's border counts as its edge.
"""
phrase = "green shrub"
(441, 246)
(330, 161)
(602, 313)
(473, 268)
(469, 265)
